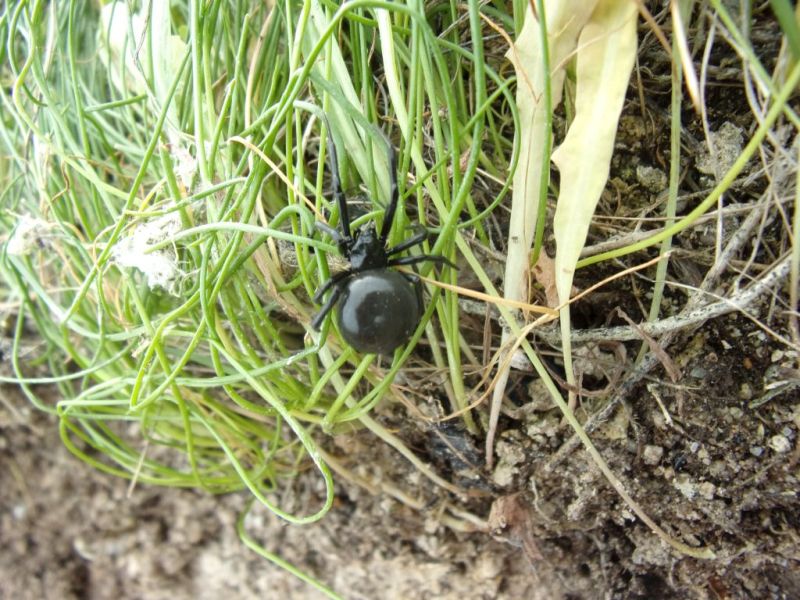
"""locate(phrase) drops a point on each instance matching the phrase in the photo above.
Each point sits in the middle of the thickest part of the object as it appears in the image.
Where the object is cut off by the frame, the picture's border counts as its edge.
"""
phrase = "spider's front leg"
(415, 240)
(344, 244)
(418, 258)
(414, 280)
(388, 216)
(346, 237)
(333, 282)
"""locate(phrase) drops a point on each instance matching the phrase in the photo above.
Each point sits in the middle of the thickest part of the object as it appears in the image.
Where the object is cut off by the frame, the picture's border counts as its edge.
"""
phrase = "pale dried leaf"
(565, 19)
(564, 22)
(607, 49)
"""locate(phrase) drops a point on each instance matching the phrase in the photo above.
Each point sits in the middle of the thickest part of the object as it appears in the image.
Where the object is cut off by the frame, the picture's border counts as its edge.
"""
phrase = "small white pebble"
(654, 180)
(780, 443)
(756, 451)
(19, 511)
(503, 475)
(717, 469)
(487, 566)
(431, 525)
(520, 362)
(685, 487)
(658, 419)
(707, 490)
(652, 455)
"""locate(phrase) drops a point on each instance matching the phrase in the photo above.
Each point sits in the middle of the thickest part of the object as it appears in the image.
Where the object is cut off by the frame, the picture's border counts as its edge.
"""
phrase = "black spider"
(378, 308)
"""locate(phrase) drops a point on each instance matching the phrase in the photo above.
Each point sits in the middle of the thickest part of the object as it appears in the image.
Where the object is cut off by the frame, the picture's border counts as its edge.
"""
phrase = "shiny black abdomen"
(379, 310)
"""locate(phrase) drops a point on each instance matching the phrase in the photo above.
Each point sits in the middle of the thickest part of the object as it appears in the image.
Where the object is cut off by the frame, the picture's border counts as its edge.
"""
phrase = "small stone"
(717, 469)
(431, 525)
(488, 566)
(707, 490)
(685, 486)
(510, 452)
(652, 179)
(658, 419)
(520, 362)
(541, 400)
(19, 511)
(503, 474)
(756, 451)
(652, 455)
(780, 444)
(745, 391)
(726, 144)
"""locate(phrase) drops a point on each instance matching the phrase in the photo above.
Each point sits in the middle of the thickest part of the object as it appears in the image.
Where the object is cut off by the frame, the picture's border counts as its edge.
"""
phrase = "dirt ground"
(720, 474)
(704, 437)
(70, 532)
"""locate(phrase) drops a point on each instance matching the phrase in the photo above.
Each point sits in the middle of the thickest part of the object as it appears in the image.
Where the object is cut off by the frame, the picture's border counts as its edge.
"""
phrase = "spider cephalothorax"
(378, 307)
(367, 250)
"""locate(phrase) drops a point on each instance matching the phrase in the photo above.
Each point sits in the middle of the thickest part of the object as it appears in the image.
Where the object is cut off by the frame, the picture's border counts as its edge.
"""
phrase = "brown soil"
(722, 475)
(70, 532)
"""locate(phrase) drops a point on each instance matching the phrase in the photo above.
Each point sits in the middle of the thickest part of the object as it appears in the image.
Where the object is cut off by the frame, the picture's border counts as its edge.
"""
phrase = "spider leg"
(418, 258)
(316, 322)
(330, 283)
(338, 195)
(337, 237)
(340, 241)
(388, 216)
(409, 243)
(417, 283)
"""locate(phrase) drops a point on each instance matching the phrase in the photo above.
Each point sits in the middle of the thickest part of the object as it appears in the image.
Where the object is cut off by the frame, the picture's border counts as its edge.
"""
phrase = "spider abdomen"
(378, 310)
